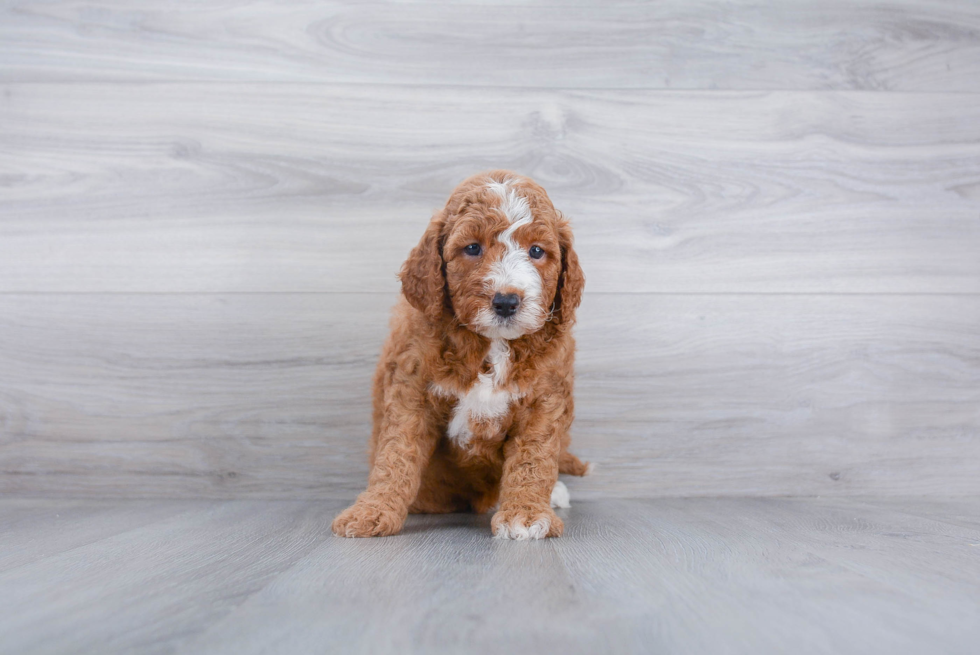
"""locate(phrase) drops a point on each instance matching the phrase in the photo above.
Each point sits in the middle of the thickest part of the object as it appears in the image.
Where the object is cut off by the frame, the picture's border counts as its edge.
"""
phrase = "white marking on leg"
(560, 496)
(539, 529)
(517, 531)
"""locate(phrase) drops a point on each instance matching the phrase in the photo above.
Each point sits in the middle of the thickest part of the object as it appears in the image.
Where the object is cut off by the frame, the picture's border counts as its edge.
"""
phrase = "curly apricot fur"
(512, 460)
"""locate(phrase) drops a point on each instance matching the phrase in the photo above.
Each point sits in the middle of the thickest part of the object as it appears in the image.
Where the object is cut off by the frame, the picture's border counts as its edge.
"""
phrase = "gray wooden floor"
(629, 576)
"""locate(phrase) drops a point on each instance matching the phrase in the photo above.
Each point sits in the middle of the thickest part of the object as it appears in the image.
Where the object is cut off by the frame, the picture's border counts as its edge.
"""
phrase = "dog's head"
(498, 257)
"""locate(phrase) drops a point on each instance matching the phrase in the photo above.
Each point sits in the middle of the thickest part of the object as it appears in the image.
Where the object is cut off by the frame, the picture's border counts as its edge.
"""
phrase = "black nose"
(505, 305)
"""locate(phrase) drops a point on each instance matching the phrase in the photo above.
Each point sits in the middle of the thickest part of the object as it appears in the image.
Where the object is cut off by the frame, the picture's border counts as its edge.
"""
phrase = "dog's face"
(499, 256)
(503, 258)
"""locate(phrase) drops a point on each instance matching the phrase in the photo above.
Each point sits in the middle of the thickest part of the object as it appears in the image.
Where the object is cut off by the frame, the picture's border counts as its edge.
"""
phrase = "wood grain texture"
(906, 45)
(31, 529)
(956, 512)
(267, 395)
(808, 576)
(138, 589)
(203, 206)
(228, 188)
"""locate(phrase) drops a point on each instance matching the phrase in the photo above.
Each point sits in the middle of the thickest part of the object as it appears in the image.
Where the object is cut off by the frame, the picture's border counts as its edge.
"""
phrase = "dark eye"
(536, 252)
(473, 250)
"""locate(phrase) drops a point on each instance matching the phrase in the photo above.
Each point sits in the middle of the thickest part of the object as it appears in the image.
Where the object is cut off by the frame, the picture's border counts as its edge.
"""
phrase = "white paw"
(589, 469)
(518, 531)
(560, 496)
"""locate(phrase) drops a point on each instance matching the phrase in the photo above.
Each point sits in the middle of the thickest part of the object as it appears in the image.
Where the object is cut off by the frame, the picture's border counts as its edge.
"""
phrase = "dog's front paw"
(525, 523)
(367, 520)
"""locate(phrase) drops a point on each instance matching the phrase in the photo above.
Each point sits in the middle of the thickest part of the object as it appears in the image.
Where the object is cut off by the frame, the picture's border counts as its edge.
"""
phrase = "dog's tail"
(572, 465)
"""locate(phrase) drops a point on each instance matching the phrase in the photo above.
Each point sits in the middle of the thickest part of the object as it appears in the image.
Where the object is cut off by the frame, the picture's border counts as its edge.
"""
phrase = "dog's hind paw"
(560, 496)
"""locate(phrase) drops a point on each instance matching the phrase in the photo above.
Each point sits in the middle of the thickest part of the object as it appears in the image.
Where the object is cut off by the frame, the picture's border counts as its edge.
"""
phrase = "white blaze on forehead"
(512, 204)
(514, 269)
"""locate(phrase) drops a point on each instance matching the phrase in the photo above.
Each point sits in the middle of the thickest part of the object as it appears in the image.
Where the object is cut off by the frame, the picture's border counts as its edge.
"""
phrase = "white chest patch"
(489, 398)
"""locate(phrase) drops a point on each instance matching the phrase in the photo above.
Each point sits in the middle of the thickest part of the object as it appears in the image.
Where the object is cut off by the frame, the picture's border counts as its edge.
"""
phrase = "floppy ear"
(571, 281)
(422, 275)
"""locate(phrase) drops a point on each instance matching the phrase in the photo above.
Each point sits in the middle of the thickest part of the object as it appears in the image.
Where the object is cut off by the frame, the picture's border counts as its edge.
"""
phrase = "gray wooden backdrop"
(203, 206)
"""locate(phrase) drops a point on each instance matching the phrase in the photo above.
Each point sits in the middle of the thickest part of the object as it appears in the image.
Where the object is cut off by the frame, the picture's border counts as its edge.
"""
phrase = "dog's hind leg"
(568, 463)
(572, 465)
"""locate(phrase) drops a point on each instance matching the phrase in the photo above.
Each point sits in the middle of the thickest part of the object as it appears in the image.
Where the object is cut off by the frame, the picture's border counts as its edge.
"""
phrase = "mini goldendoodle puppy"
(473, 391)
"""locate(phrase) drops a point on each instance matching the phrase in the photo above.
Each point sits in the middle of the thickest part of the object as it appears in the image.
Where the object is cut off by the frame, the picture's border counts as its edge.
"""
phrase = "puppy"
(473, 391)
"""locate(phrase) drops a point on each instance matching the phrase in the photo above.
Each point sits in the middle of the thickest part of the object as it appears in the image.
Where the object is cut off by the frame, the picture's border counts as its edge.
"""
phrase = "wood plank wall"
(777, 204)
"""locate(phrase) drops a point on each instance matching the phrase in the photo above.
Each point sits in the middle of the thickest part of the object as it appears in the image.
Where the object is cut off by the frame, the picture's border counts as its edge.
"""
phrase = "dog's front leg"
(530, 473)
(405, 444)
